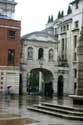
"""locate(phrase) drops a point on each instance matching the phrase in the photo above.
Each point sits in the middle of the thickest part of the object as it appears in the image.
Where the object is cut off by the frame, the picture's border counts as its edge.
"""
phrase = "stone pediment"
(39, 36)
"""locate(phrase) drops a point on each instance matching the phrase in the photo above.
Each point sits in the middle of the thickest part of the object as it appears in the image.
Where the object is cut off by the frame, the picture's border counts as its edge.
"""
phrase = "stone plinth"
(77, 99)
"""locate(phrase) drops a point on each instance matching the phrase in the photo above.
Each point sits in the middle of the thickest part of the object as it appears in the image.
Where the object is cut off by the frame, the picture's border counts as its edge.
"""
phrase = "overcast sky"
(34, 13)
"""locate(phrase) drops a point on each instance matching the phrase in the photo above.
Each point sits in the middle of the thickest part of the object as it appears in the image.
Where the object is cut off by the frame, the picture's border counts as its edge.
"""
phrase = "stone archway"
(60, 86)
(45, 80)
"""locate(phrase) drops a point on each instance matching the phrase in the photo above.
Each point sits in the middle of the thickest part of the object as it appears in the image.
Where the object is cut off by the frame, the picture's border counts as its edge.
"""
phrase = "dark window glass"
(76, 24)
(63, 44)
(11, 35)
(75, 56)
(11, 56)
(76, 5)
(40, 53)
(75, 41)
(75, 73)
(64, 28)
(67, 27)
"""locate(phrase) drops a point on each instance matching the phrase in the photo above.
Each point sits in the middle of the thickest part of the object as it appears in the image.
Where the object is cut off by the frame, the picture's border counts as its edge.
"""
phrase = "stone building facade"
(64, 32)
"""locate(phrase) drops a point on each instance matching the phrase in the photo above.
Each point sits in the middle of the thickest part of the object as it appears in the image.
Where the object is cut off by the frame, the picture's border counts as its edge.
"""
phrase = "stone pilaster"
(79, 90)
(78, 98)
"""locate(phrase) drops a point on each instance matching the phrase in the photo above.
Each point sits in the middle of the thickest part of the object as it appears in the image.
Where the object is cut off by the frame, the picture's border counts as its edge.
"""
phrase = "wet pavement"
(13, 111)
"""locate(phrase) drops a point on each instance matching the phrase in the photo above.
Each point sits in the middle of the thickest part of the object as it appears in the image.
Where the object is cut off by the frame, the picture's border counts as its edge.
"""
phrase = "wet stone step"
(62, 107)
(60, 110)
(67, 116)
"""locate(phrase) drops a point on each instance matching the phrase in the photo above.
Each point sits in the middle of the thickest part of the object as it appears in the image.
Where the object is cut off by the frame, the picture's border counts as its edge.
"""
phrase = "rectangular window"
(76, 24)
(61, 29)
(11, 35)
(11, 56)
(64, 28)
(75, 41)
(67, 27)
(75, 56)
(63, 44)
(77, 5)
(75, 73)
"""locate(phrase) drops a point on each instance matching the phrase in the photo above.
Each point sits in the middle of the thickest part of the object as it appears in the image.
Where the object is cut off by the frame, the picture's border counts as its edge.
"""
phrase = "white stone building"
(67, 30)
(60, 35)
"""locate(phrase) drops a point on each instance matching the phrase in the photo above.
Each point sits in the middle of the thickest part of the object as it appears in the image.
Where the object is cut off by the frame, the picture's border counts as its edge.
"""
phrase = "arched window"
(51, 55)
(40, 53)
(30, 53)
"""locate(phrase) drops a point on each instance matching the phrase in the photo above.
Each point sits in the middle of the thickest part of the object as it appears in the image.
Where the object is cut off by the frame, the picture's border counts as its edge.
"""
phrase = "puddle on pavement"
(3, 115)
(55, 124)
(25, 121)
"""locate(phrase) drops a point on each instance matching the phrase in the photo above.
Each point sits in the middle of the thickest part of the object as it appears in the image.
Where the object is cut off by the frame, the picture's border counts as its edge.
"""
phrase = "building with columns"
(60, 38)
(9, 48)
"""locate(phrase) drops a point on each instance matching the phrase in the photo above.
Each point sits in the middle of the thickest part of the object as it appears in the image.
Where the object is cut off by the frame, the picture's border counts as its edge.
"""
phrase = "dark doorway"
(48, 89)
(60, 86)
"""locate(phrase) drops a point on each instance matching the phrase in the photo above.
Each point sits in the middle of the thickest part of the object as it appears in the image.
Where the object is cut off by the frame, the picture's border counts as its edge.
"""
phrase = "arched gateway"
(39, 60)
(39, 80)
(39, 56)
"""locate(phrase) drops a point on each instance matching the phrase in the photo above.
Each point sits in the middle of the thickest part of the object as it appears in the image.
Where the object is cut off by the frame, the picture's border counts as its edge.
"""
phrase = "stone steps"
(63, 107)
(59, 111)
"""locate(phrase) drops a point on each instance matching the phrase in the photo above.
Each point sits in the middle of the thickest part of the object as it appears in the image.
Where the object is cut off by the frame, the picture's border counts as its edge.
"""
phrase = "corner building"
(9, 54)
(9, 47)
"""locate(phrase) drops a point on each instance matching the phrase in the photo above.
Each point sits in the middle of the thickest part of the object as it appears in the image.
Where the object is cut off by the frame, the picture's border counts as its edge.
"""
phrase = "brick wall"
(7, 25)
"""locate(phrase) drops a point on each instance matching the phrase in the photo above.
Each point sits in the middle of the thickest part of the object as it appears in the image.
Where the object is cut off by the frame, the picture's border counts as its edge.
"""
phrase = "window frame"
(11, 62)
(11, 35)
(51, 57)
(30, 54)
(76, 24)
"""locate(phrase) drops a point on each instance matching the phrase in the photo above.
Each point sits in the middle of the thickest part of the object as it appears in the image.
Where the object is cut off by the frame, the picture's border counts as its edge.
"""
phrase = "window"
(75, 56)
(40, 53)
(1, 78)
(55, 30)
(1, 82)
(76, 24)
(67, 27)
(75, 73)
(11, 35)
(51, 55)
(77, 4)
(64, 28)
(2, 73)
(11, 56)
(75, 41)
(63, 44)
(30, 53)
(61, 29)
